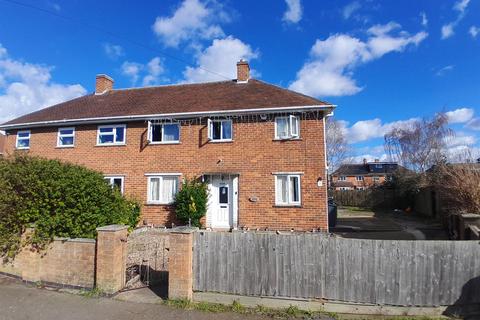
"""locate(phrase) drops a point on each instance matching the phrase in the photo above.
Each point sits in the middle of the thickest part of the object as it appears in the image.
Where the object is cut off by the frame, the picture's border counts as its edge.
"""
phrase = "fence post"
(111, 258)
(180, 265)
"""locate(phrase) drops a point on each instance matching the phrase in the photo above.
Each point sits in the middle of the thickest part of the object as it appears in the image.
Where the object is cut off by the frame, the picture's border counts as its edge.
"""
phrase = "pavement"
(386, 225)
(21, 302)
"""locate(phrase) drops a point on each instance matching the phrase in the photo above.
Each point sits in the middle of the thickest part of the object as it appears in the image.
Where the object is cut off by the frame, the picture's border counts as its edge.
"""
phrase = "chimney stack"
(103, 84)
(243, 71)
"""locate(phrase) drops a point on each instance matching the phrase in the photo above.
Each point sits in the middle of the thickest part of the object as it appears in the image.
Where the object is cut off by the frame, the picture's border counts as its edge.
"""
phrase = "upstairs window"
(115, 182)
(287, 189)
(359, 178)
(163, 132)
(287, 127)
(66, 137)
(111, 135)
(23, 139)
(219, 130)
(342, 178)
(162, 189)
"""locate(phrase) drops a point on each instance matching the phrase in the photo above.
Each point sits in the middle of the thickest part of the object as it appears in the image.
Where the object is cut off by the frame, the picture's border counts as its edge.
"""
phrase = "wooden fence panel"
(384, 272)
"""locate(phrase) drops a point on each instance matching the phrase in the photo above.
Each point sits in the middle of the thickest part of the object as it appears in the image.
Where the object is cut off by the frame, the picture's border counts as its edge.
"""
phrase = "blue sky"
(383, 63)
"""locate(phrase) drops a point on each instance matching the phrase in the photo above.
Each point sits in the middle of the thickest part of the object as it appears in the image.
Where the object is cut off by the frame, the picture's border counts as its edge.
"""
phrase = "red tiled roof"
(188, 98)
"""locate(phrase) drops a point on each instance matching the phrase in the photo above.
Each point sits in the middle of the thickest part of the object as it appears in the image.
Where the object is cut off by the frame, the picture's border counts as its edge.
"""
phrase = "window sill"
(64, 147)
(22, 149)
(220, 141)
(158, 204)
(163, 143)
(290, 139)
(111, 145)
(288, 206)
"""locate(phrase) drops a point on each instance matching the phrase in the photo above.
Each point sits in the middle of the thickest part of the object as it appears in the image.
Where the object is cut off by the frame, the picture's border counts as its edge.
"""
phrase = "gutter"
(163, 116)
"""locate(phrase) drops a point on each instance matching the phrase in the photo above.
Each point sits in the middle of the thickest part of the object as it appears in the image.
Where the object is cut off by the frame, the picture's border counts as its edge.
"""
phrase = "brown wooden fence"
(370, 198)
(383, 272)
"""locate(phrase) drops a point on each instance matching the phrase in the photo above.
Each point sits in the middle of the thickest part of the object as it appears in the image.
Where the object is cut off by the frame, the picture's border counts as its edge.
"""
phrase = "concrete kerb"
(312, 305)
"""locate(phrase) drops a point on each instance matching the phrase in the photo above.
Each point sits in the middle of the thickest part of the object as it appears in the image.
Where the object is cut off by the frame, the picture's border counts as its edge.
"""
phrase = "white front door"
(222, 202)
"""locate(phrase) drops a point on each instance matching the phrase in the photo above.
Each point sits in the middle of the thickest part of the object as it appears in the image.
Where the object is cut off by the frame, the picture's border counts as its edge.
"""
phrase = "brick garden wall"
(68, 262)
(79, 263)
(253, 154)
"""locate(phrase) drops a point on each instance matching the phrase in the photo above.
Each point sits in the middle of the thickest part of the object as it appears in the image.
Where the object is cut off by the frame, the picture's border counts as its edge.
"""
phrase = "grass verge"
(291, 312)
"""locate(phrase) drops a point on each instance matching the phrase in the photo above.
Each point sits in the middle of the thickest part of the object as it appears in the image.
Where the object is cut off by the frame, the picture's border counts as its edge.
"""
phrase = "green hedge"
(59, 199)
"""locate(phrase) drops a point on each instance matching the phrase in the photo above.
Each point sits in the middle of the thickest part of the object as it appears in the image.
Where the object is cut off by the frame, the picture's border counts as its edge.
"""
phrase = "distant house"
(3, 139)
(362, 176)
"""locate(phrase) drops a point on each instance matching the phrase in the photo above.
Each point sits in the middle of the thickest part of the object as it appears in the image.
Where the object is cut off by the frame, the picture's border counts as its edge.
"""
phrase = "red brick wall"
(253, 154)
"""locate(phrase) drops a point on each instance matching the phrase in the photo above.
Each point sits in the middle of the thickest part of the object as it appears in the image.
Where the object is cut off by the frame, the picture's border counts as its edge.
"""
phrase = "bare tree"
(337, 145)
(420, 145)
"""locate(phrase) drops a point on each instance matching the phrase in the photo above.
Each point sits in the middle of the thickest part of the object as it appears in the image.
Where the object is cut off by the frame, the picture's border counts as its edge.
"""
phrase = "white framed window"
(163, 133)
(342, 178)
(359, 178)
(162, 188)
(116, 182)
(111, 135)
(378, 166)
(219, 130)
(287, 189)
(23, 139)
(66, 137)
(287, 127)
(376, 179)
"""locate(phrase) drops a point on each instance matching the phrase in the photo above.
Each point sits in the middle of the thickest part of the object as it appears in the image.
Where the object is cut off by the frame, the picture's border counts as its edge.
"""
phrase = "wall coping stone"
(85, 240)
(113, 228)
(184, 229)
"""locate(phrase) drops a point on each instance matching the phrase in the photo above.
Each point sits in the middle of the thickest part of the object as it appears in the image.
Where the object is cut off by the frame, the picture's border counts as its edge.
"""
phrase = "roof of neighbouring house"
(369, 168)
(224, 96)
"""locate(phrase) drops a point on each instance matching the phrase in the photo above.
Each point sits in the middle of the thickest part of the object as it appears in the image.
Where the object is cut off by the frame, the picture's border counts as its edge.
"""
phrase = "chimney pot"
(103, 84)
(243, 71)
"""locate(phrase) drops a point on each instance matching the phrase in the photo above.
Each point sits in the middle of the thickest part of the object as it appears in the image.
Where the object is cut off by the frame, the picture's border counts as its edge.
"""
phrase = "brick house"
(261, 148)
(362, 176)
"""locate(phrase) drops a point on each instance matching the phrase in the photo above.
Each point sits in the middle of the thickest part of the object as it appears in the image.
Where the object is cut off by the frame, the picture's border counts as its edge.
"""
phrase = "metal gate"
(147, 258)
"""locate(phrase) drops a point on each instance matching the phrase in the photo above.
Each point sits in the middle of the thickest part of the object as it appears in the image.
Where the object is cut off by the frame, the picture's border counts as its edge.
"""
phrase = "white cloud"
(221, 57)
(448, 29)
(423, 15)
(474, 124)
(350, 9)
(132, 70)
(193, 20)
(150, 72)
(461, 6)
(329, 70)
(370, 157)
(371, 129)
(440, 72)
(155, 69)
(294, 11)
(460, 139)
(27, 87)
(461, 115)
(113, 51)
(474, 31)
